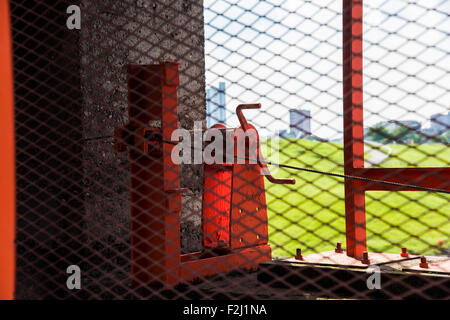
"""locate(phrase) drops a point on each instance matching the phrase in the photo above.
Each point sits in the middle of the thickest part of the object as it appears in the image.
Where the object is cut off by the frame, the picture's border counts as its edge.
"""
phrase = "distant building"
(284, 134)
(300, 122)
(215, 105)
(440, 124)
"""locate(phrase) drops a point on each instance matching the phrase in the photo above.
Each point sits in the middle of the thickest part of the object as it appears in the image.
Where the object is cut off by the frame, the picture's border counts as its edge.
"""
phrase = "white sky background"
(288, 54)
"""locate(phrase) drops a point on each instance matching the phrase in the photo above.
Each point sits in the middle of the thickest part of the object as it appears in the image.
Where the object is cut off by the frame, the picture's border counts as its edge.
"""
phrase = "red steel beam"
(155, 195)
(435, 178)
(7, 176)
(353, 126)
(170, 81)
(245, 258)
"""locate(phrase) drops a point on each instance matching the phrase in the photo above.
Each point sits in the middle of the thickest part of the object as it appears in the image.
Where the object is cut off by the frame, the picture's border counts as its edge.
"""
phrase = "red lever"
(245, 126)
(240, 115)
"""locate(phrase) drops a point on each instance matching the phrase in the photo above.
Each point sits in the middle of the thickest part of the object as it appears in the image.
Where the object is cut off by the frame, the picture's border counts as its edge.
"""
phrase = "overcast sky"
(288, 54)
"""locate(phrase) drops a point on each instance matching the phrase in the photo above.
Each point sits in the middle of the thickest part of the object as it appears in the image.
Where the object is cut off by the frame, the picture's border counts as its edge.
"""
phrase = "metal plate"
(435, 265)
(341, 259)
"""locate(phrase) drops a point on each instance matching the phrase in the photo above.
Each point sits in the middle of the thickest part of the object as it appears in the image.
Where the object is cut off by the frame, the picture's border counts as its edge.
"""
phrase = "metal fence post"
(7, 174)
(353, 126)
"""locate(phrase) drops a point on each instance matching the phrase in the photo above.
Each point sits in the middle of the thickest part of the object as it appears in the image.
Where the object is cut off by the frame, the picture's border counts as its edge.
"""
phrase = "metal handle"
(245, 126)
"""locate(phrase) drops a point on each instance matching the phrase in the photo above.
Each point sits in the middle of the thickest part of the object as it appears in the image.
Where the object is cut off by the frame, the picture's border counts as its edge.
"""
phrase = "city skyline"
(438, 123)
(268, 53)
(216, 112)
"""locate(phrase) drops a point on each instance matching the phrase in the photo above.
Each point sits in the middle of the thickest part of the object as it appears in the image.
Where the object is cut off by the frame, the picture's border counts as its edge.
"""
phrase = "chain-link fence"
(325, 173)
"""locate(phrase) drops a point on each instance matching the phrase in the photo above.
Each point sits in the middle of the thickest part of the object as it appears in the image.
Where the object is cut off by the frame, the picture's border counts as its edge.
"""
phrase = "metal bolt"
(365, 258)
(423, 262)
(404, 253)
(299, 256)
(338, 248)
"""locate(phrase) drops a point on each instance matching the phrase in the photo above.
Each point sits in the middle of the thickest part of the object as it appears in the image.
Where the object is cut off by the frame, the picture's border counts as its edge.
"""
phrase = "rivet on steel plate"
(404, 253)
(423, 263)
(299, 256)
(365, 258)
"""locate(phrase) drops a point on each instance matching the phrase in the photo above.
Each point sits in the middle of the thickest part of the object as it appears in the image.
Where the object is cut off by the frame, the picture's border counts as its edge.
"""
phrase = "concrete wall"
(70, 87)
(114, 34)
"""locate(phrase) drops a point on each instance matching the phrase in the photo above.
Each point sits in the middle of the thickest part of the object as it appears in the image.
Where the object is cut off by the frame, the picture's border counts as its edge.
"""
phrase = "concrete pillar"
(114, 34)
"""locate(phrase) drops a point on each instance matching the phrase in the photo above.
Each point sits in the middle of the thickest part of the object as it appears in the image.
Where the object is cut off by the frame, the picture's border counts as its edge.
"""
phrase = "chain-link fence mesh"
(117, 173)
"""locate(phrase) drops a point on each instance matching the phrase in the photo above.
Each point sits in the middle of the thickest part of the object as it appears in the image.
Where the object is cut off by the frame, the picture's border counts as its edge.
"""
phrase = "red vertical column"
(170, 81)
(155, 194)
(7, 174)
(353, 125)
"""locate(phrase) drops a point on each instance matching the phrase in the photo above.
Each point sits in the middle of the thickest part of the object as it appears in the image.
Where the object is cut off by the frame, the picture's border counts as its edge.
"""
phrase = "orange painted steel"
(234, 201)
(234, 212)
(247, 258)
(355, 215)
(248, 225)
(437, 178)
(217, 201)
(155, 194)
(434, 178)
(261, 162)
(7, 171)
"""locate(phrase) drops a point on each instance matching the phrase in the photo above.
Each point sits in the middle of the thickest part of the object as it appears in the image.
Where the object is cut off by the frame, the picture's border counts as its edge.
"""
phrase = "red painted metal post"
(170, 81)
(353, 126)
(7, 171)
(155, 194)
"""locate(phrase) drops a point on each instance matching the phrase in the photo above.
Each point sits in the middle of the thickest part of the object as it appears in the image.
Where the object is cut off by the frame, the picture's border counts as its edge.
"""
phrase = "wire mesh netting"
(232, 149)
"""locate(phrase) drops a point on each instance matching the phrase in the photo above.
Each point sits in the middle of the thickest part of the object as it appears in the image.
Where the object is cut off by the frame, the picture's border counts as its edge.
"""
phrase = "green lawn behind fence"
(310, 214)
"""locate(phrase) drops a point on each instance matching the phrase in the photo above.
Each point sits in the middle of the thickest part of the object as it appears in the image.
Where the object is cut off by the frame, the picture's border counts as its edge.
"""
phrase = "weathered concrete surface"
(114, 34)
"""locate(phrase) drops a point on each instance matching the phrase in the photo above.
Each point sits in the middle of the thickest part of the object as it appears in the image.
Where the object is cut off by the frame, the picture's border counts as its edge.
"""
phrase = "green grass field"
(310, 214)
(427, 155)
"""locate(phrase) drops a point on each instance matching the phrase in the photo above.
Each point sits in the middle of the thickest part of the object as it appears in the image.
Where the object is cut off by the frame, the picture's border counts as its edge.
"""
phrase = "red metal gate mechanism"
(234, 214)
